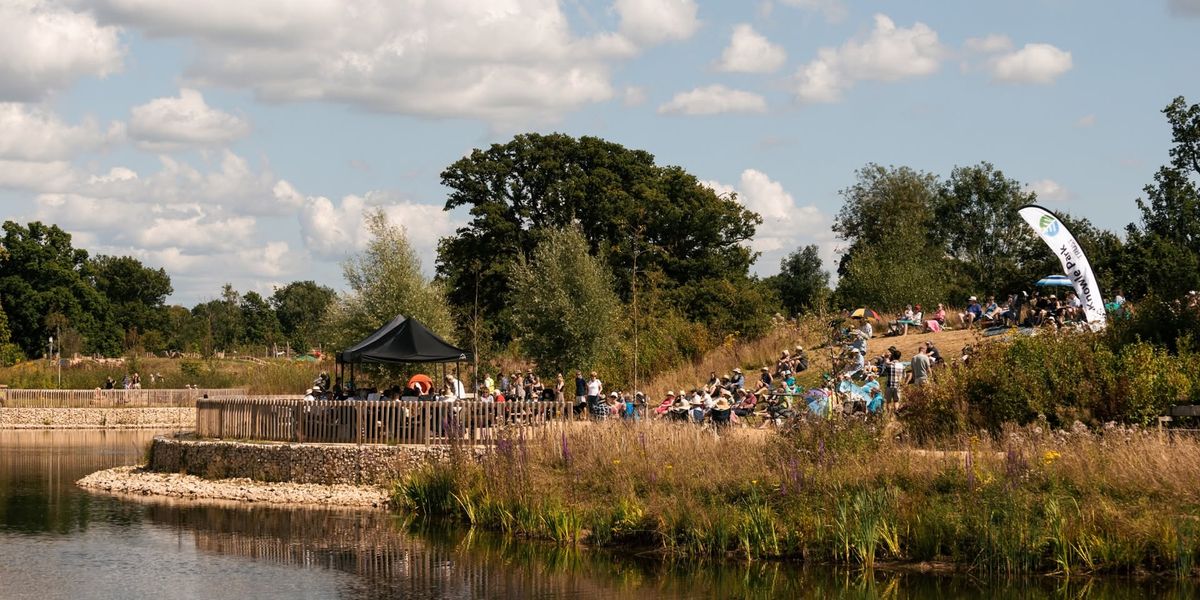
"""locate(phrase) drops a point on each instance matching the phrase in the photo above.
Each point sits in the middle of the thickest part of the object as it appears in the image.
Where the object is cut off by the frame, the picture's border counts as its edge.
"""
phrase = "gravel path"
(133, 480)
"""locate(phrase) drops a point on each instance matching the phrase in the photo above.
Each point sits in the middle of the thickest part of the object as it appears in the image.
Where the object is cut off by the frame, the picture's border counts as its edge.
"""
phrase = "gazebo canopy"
(404, 340)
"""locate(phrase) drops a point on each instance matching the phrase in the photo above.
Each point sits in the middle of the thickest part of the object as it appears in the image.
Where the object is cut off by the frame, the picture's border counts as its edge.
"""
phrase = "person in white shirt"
(595, 388)
(454, 388)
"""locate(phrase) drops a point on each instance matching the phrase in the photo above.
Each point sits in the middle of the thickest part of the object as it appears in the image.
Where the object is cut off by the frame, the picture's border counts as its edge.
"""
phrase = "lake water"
(59, 541)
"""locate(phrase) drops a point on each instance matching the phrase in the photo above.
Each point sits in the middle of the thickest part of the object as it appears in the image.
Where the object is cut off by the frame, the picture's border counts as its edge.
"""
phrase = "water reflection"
(38, 470)
(103, 546)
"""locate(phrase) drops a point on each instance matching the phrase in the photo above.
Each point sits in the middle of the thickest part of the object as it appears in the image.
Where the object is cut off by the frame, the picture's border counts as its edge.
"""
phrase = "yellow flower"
(668, 466)
(616, 462)
(1050, 456)
(753, 482)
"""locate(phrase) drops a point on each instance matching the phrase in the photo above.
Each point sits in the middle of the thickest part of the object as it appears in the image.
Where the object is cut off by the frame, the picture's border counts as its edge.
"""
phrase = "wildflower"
(668, 466)
(1050, 456)
(753, 482)
(616, 461)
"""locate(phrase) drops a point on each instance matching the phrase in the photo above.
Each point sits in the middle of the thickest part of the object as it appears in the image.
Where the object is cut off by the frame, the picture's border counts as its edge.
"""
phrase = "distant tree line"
(109, 305)
(913, 237)
(578, 250)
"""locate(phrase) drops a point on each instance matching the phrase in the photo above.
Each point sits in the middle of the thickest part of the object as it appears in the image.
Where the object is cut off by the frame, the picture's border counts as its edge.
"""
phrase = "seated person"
(857, 362)
(992, 311)
(746, 402)
(779, 407)
(679, 410)
(764, 382)
(973, 314)
(799, 360)
(721, 413)
(918, 314)
(665, 405)
(937, 320)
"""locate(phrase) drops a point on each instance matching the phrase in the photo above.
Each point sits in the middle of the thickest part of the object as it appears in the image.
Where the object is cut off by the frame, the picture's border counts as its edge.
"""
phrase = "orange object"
(422, 382)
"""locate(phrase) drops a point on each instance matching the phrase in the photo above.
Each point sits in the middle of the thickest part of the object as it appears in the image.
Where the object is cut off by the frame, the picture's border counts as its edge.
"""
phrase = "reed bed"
(1024, 502)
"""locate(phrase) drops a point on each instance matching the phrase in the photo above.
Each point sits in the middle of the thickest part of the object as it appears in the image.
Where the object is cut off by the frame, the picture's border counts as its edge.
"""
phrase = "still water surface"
(59, 541)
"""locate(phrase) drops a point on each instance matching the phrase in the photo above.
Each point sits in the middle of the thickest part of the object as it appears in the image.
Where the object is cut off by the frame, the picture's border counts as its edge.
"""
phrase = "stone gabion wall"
(98, 418)
(367, 464)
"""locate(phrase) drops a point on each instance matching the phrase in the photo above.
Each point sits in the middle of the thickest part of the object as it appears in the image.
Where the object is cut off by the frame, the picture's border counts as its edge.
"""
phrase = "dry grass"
(1027, 501)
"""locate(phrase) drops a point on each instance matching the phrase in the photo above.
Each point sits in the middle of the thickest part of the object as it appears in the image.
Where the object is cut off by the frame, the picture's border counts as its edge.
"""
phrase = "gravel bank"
(135, 481)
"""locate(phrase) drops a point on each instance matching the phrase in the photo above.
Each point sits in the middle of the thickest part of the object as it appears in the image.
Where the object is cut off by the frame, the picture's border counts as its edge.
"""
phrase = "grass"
(1026, 502)
(273, 376)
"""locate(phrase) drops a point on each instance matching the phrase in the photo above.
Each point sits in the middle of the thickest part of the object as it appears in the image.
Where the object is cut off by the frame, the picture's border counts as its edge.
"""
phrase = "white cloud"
(1049, 190)
(714, 99)
(989, 44)
(787, 224)
(633, 96)
(1184, 8)
(183, 121)
(504, 61)
(46, 47)
(750, 52)
(190, 227)
(334, 230)
(889, 53)
(656, 21)
(1034, 63)
(1086, 121)
(36, 175)
(833, 10)
(29, 132)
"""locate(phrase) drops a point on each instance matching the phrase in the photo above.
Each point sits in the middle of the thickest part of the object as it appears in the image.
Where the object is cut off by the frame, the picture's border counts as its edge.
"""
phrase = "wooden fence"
(98, 398)
(370, 422)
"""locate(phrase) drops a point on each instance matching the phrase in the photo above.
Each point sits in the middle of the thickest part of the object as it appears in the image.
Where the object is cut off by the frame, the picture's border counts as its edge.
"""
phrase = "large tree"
(976, 220)
(622, 202)
(137, 293)
(1163, 252)
(300, 306)
(260, 326)
(802, 282)
(567, 315)
(385, 280)
(892, 258)
(41, 274)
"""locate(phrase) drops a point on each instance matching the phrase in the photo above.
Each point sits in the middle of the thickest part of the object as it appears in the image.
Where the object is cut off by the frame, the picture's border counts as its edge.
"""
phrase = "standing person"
(489, 385)
(505, 385)
(580, 392)
(560, 388)
(595, 389)
(921, 365)
(454, 388)
(895, 378)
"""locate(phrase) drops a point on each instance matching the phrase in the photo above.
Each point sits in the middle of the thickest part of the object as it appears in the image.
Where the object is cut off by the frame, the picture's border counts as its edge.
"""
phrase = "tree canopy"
(44, 292)
(622, 202)
(568, 314)
(385, 280)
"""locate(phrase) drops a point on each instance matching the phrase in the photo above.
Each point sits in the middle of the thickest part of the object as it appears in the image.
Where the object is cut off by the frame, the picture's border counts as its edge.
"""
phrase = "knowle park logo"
(1049, 225)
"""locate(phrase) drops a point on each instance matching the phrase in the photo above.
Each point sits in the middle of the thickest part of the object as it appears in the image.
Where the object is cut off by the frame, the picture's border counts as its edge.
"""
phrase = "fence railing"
(370, 422)
(98, 398)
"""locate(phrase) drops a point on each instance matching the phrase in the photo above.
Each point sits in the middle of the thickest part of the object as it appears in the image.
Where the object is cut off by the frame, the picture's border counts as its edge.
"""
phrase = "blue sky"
(240, 141)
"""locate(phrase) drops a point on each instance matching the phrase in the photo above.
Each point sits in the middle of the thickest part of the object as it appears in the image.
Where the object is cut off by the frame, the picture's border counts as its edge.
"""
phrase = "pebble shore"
(135, 481)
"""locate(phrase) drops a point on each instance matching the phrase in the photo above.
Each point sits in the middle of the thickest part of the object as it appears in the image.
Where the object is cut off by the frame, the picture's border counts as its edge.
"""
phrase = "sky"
(240, 141)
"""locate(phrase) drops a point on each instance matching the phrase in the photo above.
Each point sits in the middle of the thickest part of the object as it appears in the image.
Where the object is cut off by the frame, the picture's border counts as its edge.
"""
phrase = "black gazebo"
(402, 341)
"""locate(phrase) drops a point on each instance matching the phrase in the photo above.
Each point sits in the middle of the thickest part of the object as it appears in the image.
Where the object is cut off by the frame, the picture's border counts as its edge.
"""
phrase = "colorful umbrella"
(864, 313)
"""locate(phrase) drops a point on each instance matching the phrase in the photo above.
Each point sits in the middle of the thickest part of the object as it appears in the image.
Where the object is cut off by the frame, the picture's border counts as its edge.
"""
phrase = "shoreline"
(135, 481)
